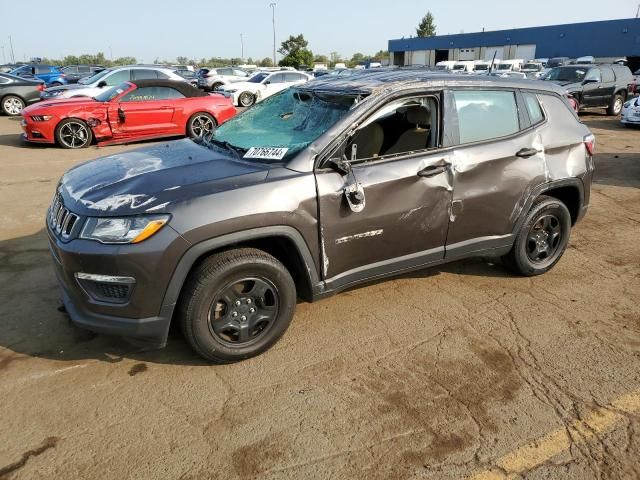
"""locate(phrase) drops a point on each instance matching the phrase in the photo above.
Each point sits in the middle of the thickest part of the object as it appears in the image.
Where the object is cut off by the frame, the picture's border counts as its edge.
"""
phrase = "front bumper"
(144, 316)
(38, 132)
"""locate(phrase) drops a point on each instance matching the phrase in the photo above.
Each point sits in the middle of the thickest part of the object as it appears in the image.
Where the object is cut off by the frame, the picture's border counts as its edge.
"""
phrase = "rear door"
(607, 86)
(494, 164)
(275, 83)
(591, 89)
(145, 111)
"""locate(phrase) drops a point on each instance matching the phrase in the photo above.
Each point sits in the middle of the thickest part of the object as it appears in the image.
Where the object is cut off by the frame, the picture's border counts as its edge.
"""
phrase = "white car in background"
(262, 85)
(213, 78)
(464, 66)
(630, 114)
(111, 77)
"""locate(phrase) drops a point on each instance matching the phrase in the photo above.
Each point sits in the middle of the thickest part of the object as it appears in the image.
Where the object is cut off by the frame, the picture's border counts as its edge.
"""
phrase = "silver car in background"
(212, 78)
(94, 85)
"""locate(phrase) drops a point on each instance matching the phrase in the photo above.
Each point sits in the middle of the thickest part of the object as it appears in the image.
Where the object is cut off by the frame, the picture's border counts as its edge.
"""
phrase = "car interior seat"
(369, 141)
(416, 137)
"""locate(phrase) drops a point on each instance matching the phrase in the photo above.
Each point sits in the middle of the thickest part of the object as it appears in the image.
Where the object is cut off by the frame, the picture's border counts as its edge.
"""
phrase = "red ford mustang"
(136, 110)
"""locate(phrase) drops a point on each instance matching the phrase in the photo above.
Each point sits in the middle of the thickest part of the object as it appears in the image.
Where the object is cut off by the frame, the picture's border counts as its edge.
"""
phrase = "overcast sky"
(147, 29)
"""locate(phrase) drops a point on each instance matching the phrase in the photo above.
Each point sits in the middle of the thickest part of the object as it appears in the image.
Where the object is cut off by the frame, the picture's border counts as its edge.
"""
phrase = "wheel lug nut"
(252, 310)
(237, 303)
(243, 318)
(234, 314)
(249, 301)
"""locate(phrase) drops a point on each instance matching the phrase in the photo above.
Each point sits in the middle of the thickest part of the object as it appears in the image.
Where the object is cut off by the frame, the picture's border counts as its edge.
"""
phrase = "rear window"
(607, 75)
(474, 107)
(533, 108)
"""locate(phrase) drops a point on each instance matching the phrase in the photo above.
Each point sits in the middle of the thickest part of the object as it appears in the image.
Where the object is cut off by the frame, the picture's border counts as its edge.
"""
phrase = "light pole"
(273, 20)
(4, 60)
(110, 53)
(13, 58)
(241, 48)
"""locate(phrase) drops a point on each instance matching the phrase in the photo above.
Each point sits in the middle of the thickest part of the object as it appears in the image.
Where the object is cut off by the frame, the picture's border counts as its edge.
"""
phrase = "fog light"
(106, 288)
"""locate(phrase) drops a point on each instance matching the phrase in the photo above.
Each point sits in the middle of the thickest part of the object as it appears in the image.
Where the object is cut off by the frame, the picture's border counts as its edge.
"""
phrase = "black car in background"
(595, 86)
(17, 92)
(76, 72)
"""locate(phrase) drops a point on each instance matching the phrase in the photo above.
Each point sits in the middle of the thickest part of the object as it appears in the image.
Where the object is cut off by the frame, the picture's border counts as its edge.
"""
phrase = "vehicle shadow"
(33, 325)
(617, 169)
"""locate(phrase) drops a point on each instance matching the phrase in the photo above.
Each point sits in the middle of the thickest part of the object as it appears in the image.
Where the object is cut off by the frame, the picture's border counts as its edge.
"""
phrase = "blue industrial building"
(605, 40)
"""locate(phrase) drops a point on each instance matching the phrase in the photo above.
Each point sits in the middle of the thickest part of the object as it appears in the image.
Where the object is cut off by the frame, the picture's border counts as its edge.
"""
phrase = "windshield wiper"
(225, 145)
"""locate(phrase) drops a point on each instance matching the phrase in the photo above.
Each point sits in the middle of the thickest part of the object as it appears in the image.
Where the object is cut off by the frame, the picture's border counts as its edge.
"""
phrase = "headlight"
(123, 230)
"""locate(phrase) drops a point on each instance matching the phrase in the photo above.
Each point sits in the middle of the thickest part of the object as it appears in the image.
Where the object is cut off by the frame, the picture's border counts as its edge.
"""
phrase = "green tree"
(321, 59)
(381, 55)
(357, 59)
(295, 53)
(266, 62)
(426, 27)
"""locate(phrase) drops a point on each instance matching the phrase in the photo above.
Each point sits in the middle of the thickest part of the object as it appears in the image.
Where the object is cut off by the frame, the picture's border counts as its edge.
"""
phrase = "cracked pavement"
(462, 371)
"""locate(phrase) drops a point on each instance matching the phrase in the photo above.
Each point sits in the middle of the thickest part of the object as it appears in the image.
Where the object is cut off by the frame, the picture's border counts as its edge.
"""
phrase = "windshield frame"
(96, 77)
(108, 98)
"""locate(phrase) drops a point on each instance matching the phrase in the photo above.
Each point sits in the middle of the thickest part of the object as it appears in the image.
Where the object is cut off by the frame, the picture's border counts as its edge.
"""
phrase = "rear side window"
(140, 74)
(42, 69)
(486, 114)
(117, 78)
(533, 107)
(607, 75)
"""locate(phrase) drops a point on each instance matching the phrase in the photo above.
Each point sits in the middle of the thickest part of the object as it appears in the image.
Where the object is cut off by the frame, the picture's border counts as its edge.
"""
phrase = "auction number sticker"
(267, 153)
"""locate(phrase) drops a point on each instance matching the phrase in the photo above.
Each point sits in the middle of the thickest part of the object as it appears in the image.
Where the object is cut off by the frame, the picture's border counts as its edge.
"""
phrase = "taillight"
(590, 144)
(40, 87)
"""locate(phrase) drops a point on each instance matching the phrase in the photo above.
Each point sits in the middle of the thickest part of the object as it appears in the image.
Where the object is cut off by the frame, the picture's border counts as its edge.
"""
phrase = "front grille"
(61, 220)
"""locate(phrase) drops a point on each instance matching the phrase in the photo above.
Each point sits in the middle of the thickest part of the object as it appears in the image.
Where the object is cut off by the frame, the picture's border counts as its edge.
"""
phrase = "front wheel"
(201, 125)
(12, 105)
(542, 238)
(246, 99)
(73, 133)
(56, 84)
(236, 304)
(615, 108)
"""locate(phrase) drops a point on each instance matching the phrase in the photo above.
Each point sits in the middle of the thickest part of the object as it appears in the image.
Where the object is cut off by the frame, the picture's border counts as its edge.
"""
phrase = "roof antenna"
(492, 62)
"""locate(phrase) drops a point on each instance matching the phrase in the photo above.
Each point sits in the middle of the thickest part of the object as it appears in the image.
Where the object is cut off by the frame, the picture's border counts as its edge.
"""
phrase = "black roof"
(184, 88)
(371, 81)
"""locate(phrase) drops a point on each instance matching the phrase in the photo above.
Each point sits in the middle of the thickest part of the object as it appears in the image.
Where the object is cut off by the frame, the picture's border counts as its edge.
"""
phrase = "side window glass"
(607, 75)
(485, 114)
(594, 74)
(141, 74)
(402, 126)
(240, 73)
(533, 107)
(41, 69)
(278, 78)
(117, 78)
(225, 71)
(70, 69)
(146, 94)
(83, 69)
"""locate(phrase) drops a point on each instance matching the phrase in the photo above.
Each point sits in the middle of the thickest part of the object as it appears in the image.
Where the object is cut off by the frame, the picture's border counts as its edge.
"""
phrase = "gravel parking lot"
(463, 371)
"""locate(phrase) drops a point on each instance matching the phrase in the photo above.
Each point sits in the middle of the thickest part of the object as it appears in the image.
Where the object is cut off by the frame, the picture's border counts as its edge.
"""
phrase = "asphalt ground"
(462, 371)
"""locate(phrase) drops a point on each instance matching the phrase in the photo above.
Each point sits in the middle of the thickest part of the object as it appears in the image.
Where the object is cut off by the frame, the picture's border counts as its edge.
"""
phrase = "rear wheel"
(73, 133)
(246, 99)
(55, 84)
(12, 105)
(617, 102)
(236, 304)
(542, 239)
(216, 85)
(201, 125)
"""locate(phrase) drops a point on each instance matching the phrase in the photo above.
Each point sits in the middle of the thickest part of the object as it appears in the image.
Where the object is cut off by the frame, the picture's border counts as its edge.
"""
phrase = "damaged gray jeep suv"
(316, 189)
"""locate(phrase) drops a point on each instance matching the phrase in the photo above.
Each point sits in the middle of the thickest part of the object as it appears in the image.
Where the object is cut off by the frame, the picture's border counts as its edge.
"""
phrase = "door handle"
(433, 170)
(527, 152)
(165, 108)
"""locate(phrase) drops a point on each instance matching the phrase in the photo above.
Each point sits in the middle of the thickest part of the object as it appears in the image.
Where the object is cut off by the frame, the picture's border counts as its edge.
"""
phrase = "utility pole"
(273, 20)
(4, 60)
(638, 11)
(241, 48)
(110, 53)
(13, 58)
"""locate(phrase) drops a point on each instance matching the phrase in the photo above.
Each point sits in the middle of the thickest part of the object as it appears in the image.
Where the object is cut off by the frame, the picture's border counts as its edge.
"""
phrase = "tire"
(547, 215)
(201, 124)
(246, 99)
(56, 84)
(216, 85)
(73, 133)
(12, 105)
(216, 315)
(615, 107)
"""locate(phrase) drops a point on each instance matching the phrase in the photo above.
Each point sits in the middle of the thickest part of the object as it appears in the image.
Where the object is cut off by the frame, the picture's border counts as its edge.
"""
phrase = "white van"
(509, 65)
(464, 66)
(446, 65)
(482, 66)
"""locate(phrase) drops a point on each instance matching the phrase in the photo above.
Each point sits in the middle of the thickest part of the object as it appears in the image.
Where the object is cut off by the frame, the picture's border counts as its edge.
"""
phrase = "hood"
(153, 178)
(69, 86)
(243, 85)
(62, 103)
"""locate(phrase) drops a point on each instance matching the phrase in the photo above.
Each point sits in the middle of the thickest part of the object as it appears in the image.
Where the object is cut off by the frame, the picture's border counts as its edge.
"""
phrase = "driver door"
(405, 180)
(591, 88)
(144, 111)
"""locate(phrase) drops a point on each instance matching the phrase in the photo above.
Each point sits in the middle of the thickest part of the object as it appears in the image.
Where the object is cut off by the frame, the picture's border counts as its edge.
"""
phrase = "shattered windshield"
(278, 128)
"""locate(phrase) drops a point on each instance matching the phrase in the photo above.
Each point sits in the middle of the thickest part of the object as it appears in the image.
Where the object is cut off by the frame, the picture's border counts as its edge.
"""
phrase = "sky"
(150, 29)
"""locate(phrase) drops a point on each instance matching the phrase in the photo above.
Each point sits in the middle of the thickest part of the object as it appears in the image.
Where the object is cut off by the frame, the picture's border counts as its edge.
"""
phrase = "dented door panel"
(405, 214)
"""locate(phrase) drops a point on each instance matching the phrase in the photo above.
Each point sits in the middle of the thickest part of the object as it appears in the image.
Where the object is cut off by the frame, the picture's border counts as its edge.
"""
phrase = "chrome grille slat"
(61, 219)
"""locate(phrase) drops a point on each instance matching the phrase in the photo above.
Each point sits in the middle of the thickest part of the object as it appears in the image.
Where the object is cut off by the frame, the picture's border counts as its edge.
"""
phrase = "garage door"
(419, 57)
(491, 51)
(467, 54)
(526, 52)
